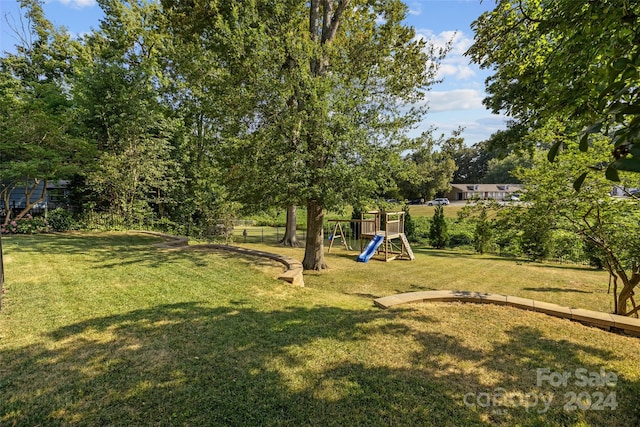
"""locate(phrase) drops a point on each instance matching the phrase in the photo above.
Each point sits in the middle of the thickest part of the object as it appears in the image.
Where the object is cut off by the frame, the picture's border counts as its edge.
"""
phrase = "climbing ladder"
(405, 243)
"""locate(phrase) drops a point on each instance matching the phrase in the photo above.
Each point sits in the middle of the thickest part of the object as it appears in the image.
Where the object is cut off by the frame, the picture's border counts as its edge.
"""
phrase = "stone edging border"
(292, 274)
(609, 322)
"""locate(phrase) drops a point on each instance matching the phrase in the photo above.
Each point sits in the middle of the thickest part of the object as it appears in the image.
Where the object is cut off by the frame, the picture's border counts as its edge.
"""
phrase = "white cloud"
(477, 126)
(459, 102)
(453, 100)
(457, 40)
(78, 4)
(415, 9)
(458, 71)
(455, 64)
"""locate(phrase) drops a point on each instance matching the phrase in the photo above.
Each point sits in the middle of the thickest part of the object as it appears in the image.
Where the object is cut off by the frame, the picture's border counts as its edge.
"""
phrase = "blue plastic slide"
(371, 248)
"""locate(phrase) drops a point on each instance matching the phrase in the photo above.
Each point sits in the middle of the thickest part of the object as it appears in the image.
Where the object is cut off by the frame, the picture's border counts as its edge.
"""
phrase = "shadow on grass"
(415, 287)
(109, 250)
(190, 364)
(353, 256)
(194, 364)
(443, 253)
(577, 267)
(362, 295)
(550, 289)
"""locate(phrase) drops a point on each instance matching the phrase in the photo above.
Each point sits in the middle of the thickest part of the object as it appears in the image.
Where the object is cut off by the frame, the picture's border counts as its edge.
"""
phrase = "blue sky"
(455, 102)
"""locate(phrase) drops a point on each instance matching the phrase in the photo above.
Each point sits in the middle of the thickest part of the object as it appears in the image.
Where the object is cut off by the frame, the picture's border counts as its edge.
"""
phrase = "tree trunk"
(290, 238)
(314, 245)
(629, 283)
(621, 306)
(28, 192)
(6, 195)
(323, 33)
(624, 299)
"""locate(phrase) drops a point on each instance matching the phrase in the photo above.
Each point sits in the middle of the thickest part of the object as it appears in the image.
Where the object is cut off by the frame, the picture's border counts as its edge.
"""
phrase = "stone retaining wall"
(292, 273)
(610, 322)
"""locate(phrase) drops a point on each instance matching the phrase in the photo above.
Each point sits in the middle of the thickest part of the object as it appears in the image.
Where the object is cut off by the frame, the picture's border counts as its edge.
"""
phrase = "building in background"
(498, 192)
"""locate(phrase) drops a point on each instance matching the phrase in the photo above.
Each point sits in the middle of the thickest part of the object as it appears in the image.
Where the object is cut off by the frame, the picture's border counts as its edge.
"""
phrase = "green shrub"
(460, 233)
(567, 246)
(167, 226)
(593, 255)
(270, 219)
(409, 224)
(102, 221)
(61, 220)
(461, 238)
(506, 237)
(483, 232)
(535, 239)
(421, 227)
(438, 233)
(26, 225)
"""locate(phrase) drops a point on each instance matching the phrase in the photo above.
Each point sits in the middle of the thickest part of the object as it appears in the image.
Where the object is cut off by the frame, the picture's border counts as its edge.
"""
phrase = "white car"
(438, 201)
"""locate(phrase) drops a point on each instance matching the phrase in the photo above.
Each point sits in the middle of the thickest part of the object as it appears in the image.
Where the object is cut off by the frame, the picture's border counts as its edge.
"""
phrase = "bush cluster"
(61, 220)
(26, 225)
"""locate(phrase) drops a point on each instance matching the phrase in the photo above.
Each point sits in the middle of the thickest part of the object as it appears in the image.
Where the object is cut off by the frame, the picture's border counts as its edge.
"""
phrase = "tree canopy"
(222, 103)
(117, 90)
(428, 170)
(329, 89)
(39, 139)
(566, 60)
(604, 222)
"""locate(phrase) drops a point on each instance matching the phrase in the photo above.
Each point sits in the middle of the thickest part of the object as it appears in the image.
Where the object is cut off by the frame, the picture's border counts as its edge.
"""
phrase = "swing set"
(383, 233)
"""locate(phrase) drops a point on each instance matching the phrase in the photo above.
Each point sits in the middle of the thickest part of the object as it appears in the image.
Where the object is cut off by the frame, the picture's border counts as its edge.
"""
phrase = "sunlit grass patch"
(450, 211)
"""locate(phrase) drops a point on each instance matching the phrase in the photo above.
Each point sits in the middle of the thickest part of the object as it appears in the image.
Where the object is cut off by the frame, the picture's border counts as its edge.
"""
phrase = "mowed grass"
(105, 329)
(450, 211)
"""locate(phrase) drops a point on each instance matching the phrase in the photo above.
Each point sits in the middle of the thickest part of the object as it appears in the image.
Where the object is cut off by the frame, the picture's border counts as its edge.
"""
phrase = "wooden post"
(333, 235)
(337, 232)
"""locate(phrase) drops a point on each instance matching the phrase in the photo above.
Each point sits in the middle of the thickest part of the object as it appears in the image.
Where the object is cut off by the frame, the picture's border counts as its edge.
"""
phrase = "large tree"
(608, 224)
(325, 91)
(117, 90)
(39, 139)
(428, 170)
(219, 77)
(360, 70)
(472, 163)
(575, 61)
(501, 171)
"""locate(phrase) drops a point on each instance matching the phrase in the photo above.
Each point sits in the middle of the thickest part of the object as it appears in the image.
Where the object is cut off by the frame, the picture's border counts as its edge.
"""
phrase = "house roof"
(487, 187)
(61, 183)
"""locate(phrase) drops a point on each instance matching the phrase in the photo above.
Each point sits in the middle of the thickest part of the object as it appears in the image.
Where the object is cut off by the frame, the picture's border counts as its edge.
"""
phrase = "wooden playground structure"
(384, 232)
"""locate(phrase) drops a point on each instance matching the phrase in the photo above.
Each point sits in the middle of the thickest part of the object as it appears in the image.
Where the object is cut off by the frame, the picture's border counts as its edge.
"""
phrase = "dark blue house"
(55, 196)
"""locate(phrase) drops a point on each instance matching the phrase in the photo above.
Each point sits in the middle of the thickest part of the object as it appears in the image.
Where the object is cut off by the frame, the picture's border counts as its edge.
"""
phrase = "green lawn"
(105, 329)
(450, 211)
